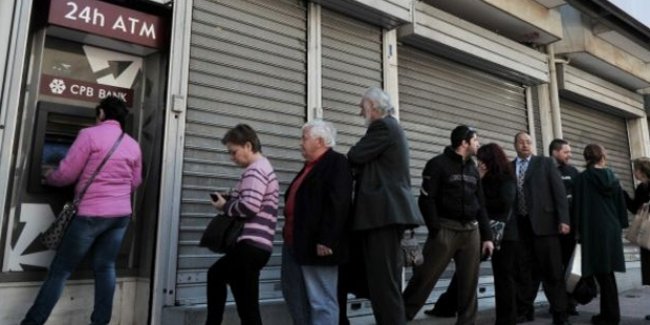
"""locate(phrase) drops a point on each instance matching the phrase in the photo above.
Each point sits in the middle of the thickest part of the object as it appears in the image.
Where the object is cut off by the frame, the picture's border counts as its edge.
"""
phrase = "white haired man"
(384, 205)
(317, 206)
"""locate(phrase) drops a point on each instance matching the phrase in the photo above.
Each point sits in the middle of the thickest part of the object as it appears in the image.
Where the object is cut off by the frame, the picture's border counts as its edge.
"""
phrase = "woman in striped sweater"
(255, 198)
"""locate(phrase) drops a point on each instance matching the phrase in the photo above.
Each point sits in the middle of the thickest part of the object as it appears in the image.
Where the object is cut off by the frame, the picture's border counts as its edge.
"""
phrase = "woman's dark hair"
(642, 164)
(241, 134)
(494, 158)
(114, 109)
(593, 154)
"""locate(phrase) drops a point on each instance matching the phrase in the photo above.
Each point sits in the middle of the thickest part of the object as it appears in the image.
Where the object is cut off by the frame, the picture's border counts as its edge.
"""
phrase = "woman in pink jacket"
(102, 215)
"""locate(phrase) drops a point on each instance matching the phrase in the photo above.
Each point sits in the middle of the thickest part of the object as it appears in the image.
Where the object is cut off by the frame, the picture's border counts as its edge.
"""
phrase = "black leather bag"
(411, 249)
(222, 232)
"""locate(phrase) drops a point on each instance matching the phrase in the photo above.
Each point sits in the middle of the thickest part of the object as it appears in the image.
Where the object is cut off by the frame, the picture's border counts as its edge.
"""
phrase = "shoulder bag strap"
(99, 168)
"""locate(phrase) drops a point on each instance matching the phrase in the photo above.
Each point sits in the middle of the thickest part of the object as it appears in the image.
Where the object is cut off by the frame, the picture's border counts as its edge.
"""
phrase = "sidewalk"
(635, 304)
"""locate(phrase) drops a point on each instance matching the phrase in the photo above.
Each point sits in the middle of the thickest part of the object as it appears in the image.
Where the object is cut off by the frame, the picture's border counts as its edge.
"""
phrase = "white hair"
(380, 98)
(320, 129)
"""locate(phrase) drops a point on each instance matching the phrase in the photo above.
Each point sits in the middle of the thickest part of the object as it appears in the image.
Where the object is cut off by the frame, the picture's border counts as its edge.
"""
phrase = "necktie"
(521, 198)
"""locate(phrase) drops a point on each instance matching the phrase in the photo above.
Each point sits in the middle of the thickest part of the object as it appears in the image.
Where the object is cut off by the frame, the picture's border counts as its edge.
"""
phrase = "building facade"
(192, 69)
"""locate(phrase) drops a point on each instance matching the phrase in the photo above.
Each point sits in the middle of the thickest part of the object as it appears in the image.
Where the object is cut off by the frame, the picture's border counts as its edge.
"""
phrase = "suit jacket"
(546, 200)
(383, 182)
(321, 210)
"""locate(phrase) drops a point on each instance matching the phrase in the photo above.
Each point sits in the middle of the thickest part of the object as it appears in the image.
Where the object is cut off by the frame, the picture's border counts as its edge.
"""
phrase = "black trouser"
(609, 307)
(505, 288)
(542, 254)
(384, 259)
(239, 268)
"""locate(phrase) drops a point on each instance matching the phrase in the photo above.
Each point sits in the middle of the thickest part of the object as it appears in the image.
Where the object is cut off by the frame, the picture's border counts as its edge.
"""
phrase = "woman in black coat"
(641, 196)
(600, 215)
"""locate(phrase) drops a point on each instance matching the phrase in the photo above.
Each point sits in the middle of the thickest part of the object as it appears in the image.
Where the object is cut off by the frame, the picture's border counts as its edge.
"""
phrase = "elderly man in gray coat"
(384, 206)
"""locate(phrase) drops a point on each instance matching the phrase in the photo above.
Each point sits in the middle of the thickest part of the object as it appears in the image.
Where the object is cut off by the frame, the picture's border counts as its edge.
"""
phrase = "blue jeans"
(310, 291)
(103, 238)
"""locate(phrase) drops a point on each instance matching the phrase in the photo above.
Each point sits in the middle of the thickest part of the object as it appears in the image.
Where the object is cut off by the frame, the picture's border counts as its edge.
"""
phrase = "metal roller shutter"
(582, 126)
(248, 65)
(436, 95)
(352, 62)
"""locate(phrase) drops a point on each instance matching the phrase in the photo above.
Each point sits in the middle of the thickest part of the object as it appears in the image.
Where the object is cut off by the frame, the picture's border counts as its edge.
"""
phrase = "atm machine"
(71, 69)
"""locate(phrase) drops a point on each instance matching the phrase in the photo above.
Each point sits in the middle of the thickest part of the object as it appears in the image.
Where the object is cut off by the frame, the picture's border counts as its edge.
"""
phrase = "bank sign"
(81, 90)
(108, 20)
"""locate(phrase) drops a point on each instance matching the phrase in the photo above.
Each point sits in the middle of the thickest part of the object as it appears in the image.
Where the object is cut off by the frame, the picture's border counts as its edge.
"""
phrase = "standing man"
(560, 150)
(384, 205)
(452, 203)
(317, 205)
(542, 215)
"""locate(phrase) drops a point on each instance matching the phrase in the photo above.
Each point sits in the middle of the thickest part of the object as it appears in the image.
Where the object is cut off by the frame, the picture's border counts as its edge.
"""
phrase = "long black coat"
(321, 210)
(599, 206)
(545, 196)
(383, 188)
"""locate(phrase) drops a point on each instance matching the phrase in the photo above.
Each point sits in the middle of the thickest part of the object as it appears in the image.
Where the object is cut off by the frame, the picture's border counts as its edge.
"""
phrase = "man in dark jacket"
(452, 203)
(560, 150)
(384, 205)
(542, 213)
(317, 206)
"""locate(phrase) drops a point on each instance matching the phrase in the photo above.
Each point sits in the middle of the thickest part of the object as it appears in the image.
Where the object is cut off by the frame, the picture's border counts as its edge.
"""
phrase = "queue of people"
(347, 215)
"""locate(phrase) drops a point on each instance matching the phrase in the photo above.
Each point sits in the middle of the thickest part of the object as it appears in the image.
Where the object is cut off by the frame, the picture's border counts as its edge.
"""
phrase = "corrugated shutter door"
(247, 66)
(352, 62)
(435, 96)
(582, 126)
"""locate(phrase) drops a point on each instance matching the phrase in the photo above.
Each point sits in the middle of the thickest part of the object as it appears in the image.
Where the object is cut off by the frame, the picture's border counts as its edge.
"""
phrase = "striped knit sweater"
(255, 198)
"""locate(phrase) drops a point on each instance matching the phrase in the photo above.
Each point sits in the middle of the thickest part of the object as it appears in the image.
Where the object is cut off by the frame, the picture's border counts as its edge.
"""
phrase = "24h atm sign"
(108, 20)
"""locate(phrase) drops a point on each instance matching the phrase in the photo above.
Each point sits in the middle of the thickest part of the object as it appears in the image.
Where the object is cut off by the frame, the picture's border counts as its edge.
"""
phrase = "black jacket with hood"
(451, 190)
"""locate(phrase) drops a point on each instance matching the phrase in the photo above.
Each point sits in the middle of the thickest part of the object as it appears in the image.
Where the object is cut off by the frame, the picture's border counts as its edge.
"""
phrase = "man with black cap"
(451, 202)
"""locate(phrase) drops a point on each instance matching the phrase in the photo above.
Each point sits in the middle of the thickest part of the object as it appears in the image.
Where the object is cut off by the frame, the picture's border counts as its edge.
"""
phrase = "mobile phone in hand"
(215, 198)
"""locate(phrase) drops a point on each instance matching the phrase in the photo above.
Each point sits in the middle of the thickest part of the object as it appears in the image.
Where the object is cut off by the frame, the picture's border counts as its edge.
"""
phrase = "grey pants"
(464, 247)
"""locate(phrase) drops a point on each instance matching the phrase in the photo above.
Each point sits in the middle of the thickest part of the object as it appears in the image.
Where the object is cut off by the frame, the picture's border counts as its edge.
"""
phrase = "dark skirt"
(645, 266)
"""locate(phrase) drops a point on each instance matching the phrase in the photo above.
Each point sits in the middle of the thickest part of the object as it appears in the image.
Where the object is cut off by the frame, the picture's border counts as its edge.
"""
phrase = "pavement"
(635, 304)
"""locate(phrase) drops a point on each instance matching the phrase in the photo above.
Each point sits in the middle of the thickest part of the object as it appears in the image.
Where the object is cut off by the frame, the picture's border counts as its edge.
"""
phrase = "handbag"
(497, 228)
(574, 269)
(53, 235)
(411, 249)
(222, 232)
(639, 231)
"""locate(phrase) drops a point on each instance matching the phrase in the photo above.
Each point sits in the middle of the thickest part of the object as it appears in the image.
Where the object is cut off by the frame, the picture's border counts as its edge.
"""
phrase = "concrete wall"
(130, 303)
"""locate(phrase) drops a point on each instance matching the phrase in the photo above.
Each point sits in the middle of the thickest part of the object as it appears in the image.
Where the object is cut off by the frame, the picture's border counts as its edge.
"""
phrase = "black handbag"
(222, 232)
(497, 228)
(52, 237)
(411, 249)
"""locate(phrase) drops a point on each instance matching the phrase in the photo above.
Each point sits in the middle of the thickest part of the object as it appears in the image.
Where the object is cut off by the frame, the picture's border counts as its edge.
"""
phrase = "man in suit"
(542, 215)
(384, 205)
(317, 206)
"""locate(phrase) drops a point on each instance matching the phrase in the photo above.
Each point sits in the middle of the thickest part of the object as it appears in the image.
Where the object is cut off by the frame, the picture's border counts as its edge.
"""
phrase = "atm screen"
(53, 151)
(56, 128)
